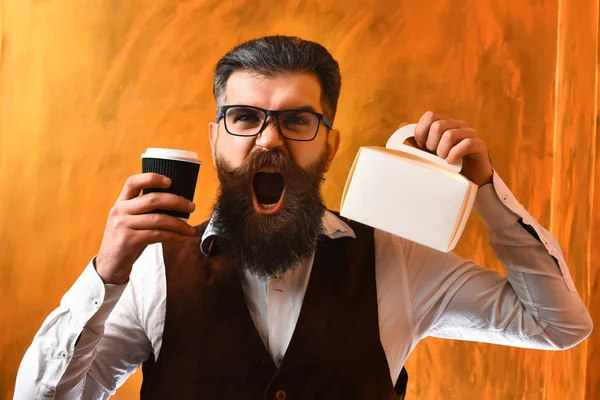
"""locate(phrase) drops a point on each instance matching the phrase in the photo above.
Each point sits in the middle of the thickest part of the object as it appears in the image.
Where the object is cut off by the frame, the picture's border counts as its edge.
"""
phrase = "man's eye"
(296, 120)
(245, 117)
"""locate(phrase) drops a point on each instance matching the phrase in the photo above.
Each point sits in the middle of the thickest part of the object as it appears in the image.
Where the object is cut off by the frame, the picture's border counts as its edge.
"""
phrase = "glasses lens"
(298, 125)
(244, 121)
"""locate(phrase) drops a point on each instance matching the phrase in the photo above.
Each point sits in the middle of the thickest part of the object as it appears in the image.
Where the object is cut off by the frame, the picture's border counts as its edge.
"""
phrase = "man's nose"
(270, 137)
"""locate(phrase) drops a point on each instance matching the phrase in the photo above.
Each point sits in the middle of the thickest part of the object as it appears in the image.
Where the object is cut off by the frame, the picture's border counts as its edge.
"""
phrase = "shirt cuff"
(91, 300)
(494, 213)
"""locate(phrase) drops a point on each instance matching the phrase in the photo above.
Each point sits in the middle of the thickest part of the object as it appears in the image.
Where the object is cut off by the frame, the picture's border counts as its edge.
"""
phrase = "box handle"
(403, 140)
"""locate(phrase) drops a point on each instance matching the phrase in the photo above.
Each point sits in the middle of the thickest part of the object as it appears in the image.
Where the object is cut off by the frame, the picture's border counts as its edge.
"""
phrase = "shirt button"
(96, 303)
(280, 395)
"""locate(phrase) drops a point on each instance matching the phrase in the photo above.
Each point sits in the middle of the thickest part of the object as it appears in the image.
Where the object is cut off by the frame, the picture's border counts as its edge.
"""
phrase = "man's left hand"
(453, 140)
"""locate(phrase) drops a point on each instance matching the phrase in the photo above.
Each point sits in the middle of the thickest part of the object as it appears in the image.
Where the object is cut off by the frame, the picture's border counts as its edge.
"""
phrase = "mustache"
(275, 158)
(258, 159)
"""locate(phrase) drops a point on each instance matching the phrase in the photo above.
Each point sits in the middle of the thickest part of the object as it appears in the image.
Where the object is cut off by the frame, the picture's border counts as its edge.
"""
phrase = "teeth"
(270, 170)
(268, 206)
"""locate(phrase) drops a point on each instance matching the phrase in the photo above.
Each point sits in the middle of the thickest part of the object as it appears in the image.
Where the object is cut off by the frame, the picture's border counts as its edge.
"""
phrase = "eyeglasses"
(300, 125)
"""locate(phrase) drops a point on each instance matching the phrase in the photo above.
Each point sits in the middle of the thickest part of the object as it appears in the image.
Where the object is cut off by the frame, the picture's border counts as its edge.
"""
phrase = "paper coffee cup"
(181, 166)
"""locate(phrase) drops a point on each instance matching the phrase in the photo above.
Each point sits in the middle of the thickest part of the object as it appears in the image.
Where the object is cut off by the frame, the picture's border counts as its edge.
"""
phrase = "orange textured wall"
(85, 87)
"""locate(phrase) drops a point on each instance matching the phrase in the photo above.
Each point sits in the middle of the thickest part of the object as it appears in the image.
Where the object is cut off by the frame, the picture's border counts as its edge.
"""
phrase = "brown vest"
(212, 350)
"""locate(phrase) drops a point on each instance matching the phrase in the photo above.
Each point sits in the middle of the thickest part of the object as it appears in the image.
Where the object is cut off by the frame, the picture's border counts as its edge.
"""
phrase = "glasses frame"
(275, 113)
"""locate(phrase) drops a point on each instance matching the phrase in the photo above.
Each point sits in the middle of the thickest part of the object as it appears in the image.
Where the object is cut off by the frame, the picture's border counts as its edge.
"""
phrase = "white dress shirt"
(100, 334)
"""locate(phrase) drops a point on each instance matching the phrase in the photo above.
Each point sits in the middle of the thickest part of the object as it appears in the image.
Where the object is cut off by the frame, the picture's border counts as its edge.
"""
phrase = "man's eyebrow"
(307, 108)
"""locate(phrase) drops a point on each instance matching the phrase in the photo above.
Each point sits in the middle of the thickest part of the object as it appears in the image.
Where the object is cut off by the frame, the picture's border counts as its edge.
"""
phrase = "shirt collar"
(334, 228)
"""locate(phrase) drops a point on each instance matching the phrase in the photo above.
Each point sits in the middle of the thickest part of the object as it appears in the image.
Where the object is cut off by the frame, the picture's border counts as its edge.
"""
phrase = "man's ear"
(333, 143)
(213, 134)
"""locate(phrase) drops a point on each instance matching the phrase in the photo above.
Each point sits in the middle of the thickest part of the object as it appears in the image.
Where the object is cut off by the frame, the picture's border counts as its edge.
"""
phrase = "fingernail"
(192, 206)
(420, 144)
(166, 180)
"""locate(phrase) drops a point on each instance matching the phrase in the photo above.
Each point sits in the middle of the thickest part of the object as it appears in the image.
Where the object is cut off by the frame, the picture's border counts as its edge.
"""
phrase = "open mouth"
(268, 191)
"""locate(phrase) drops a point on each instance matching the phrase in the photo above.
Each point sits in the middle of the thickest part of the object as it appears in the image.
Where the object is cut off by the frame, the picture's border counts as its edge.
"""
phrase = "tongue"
(268, 187)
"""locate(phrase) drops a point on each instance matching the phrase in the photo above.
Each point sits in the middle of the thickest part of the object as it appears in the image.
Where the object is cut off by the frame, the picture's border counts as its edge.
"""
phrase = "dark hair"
(272, 55)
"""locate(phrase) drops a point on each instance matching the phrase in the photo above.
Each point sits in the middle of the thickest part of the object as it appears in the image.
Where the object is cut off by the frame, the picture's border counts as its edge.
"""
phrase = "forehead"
(276, 92)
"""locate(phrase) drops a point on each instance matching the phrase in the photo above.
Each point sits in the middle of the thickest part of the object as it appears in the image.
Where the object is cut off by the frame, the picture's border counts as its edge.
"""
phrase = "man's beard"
(269, 244)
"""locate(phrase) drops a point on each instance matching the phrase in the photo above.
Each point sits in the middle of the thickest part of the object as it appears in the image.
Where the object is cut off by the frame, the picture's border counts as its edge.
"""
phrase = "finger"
(422, 129)
(451, 138)
(158, 236)
(437, 130)
(473, 147)
(154, 201)
(160, 222)
(136, 183)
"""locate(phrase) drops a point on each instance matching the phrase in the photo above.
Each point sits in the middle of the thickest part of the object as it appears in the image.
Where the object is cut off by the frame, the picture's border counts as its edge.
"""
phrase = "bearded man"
(276, 297)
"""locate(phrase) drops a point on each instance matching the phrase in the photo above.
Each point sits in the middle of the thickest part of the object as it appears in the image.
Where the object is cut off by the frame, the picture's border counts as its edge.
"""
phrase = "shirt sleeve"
(537, 306)
(89, 345)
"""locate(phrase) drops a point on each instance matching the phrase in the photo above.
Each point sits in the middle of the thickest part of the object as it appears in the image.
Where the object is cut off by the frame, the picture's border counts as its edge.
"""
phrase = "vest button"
(280, 395)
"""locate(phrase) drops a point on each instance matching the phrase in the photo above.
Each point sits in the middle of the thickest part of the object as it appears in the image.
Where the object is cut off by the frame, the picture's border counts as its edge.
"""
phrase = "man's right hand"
(129, 229)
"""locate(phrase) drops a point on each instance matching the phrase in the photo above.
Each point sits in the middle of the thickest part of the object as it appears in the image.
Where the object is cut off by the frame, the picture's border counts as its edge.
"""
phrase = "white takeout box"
(408, 192)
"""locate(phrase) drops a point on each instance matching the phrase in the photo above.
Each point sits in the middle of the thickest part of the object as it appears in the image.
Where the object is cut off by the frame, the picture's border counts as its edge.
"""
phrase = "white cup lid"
(172, 154)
